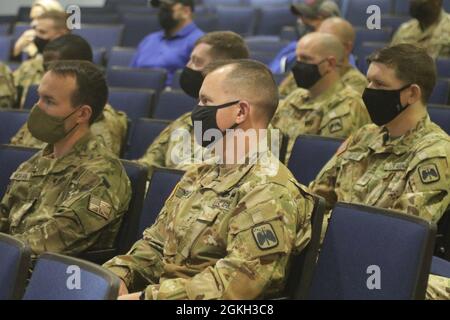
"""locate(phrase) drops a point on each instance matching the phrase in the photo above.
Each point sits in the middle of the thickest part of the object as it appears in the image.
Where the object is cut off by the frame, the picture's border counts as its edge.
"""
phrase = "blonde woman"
(28, 42)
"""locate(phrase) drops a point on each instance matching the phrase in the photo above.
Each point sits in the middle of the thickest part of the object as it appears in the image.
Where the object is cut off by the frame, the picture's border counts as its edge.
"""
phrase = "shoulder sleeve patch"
(429, 173)
(99, 207)
(265, 236)
(336, 125)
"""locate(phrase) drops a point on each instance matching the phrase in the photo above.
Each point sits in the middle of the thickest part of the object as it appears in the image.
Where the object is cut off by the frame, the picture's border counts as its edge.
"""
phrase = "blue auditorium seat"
(172, 104)
(137, 78)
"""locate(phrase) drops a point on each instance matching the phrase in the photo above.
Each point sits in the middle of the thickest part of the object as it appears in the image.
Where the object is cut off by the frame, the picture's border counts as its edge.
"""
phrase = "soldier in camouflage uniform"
(429, 29)
(210, 47)
(402, 161)
(71, 196)
(49, 26)
(227, 231)
(110, 127)
(350, 76)
(7, 89)
(327, 107)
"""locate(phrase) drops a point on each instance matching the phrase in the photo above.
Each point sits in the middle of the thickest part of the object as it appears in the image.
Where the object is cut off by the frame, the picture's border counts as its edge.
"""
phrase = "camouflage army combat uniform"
(410, 174)
(29, 73)
(435, 39)
(7, 89)
(224, 233)
(337, 113)
(349, 75)
(166, 150)
(354, 79)
(110, 128)
(67, 205)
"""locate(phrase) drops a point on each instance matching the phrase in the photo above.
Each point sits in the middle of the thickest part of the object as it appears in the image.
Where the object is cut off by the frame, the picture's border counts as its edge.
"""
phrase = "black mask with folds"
(166, 19)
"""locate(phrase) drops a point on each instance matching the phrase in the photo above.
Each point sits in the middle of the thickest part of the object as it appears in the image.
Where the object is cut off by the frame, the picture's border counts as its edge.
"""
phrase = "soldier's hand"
(132, 296)
(123, 290)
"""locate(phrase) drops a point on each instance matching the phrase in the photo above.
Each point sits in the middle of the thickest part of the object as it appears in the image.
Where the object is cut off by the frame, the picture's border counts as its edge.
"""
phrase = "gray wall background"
(10, 7)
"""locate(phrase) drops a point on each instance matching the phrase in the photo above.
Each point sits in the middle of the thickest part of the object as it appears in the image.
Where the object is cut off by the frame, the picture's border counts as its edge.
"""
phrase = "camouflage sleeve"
(143, 264)
(112, 129)
(427, 189)
(19, 136)
(324, 184)
(7, 88)
(438, 288)
(260, 240)
(287, 86)
(88, 206)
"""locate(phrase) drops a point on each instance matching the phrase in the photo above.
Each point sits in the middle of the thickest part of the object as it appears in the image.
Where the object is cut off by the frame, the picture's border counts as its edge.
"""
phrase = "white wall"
(10, 7)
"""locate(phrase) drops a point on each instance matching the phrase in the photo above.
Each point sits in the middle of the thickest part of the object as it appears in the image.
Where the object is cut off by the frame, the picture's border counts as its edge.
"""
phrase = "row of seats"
(50, 275)
(400, 245)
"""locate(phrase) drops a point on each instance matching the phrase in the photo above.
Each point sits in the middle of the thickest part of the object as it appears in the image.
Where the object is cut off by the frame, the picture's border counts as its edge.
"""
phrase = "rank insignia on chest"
(265, 236)
(183, 193)
(221, 204)
(99, 207)
(429, 174)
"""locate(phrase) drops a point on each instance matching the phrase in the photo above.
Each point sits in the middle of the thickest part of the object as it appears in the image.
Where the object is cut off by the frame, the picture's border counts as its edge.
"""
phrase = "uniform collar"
(60, 164)
(399, 145)
(222, 178)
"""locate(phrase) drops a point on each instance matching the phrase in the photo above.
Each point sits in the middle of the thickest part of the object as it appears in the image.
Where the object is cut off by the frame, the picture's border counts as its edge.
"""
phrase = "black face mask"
(40, 44)
(191, 82)
(207, 116)
(383, 105)
(306, 74)
(166, 19)
(421, 10)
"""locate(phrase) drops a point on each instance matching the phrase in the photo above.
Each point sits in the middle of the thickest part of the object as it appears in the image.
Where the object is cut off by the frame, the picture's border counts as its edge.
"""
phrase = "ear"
(414, 94)
(85, 114)
(243, 112)
(348, 47)
(332, 62)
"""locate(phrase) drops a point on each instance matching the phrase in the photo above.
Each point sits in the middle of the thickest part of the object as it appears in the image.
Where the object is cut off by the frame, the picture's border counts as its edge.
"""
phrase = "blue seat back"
(370, 253)
(310, 154)
(143, 134)
(58, 277)
(12, 121)
(173, 104)
(162, 183)
(15, 256)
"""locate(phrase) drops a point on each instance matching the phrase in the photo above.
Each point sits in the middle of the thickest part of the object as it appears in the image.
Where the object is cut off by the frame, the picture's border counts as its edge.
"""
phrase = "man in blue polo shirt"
(171, 47)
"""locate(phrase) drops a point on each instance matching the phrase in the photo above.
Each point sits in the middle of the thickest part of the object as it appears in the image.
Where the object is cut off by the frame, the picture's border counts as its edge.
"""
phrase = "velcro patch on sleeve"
(99, 207)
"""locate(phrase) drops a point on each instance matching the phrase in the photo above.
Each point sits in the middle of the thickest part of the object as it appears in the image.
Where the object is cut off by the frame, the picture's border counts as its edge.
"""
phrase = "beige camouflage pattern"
(166, 148)
(67, 205)
(287, 86)
(224, 233)
(410, 174)
(110, 128)
(336, 113)
(349, 76)
(438, 288)
(29, 73)
(435, 39)
(354, 79)
(7, 89)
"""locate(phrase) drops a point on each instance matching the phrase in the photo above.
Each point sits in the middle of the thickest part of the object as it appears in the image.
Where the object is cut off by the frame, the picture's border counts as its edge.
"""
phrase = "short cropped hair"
(412, 65)
(252, 80)
(91, 90)
(225, 45)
